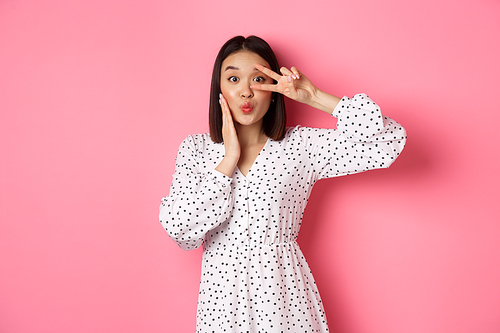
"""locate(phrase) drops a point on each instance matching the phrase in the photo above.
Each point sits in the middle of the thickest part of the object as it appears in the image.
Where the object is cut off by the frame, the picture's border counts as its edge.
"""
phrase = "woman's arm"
(324, 101)
(364, 139)
(198, 201)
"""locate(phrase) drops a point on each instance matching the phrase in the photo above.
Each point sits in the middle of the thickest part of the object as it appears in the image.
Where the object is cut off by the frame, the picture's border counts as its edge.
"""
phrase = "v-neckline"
(256, 158)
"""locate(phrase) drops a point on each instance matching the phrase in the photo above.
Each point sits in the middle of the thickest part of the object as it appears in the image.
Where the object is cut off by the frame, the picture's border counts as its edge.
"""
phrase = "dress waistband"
(247, 247)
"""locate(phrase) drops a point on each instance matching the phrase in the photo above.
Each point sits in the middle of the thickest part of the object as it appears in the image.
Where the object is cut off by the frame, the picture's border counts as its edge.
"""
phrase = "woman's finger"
(266, 87)
(295, 72)
(223, 103)
(268, 72)
(227, 117)
(226, 114)
(285, 71)
(292, 90)
(288, 73)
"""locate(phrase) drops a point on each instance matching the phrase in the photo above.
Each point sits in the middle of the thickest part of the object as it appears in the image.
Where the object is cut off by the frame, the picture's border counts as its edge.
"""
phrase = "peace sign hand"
(293, 84)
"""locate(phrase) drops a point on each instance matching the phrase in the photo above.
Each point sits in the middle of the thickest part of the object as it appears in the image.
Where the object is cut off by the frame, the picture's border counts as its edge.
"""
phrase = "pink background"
(95, 97)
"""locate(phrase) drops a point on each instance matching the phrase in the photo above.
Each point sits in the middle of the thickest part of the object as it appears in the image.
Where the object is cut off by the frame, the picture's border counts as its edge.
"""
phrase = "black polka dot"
(254, 276)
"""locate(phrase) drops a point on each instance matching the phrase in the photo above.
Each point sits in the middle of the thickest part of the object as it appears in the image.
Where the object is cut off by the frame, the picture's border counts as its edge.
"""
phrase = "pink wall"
(95, 97)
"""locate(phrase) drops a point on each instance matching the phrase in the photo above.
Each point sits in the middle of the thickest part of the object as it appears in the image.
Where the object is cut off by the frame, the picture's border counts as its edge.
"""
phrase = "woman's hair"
(274, 121)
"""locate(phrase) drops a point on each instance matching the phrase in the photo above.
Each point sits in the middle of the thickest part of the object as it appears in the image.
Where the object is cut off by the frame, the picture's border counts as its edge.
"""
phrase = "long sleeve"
(198, 201)
(364, 139)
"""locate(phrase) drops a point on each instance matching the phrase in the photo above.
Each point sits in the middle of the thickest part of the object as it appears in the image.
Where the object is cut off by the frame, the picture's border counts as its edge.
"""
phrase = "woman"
(242, 189)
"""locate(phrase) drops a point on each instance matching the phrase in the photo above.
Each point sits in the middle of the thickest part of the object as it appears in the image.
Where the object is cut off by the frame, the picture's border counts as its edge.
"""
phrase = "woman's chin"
(248, 120)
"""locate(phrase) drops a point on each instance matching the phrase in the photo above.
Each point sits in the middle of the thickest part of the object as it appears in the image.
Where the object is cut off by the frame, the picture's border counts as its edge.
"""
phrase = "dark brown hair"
(274, 121)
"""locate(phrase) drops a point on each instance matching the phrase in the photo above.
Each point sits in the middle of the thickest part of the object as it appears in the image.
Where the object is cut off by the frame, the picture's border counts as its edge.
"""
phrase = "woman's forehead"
(241, 59)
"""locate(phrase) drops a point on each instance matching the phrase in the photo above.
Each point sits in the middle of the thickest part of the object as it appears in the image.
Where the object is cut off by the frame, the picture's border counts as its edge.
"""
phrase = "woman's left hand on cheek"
(293, 84)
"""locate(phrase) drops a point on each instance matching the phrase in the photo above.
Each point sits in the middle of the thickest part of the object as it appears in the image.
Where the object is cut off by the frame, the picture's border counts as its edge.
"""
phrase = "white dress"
(254, 276)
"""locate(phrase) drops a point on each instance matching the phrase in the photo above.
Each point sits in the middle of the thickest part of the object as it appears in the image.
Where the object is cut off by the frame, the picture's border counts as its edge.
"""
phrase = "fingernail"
(289, 79)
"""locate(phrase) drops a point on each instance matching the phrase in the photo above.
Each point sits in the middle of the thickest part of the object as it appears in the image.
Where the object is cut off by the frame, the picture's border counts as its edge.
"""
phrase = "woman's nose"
(246, 91)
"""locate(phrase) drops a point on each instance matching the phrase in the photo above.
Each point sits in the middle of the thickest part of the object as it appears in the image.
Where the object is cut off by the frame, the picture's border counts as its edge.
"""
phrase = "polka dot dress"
(254, 276)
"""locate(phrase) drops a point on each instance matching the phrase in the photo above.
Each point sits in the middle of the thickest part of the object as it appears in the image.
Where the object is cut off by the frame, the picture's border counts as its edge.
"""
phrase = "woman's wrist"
(324, 101)
(227, 165)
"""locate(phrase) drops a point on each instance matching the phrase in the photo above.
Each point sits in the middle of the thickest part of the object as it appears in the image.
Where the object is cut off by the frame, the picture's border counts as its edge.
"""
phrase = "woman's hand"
(292, 83)
(231, 142)
(295, 85)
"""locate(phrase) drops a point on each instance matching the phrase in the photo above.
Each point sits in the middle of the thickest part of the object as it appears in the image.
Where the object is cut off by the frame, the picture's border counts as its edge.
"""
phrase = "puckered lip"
(246, 107)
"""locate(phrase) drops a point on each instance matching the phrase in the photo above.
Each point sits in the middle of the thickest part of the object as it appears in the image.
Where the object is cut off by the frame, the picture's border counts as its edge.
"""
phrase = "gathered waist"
(242, 247)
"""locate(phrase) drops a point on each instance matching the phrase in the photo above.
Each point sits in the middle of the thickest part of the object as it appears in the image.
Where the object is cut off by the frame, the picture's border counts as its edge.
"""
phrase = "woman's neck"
(249, 135)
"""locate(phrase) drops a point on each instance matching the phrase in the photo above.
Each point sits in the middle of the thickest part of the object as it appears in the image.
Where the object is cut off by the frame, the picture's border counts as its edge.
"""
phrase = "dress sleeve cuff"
(219, 177)
(341, 107)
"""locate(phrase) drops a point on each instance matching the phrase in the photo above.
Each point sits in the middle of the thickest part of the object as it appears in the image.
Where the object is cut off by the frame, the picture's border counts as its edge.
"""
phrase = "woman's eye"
(233, 79)
(259, 79)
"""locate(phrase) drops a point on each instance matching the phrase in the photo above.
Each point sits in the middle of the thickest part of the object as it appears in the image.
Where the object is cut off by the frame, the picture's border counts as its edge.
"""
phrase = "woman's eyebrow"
(231, 67)
(235, 68)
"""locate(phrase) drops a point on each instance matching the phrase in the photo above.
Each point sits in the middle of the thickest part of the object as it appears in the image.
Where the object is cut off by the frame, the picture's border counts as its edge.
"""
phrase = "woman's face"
(238, 73)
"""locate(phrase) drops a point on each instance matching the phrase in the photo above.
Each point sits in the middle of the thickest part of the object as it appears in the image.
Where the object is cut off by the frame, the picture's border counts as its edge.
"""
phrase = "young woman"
(242, 189)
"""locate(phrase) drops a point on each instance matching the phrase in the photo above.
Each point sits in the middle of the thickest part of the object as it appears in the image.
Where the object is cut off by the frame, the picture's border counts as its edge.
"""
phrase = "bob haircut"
(274, 121)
